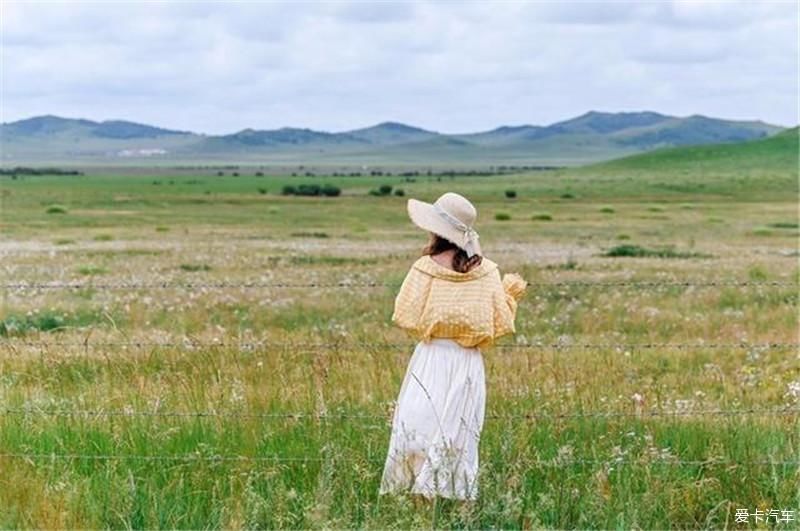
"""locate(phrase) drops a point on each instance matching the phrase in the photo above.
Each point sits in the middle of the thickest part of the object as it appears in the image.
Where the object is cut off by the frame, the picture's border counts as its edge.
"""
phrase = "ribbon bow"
(470, 234)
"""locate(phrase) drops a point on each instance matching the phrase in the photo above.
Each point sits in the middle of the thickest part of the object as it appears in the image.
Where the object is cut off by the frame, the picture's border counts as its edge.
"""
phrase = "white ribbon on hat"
(470, 234)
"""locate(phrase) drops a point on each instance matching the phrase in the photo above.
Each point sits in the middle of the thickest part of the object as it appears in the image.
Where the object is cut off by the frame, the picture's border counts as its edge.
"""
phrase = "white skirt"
(433, 449)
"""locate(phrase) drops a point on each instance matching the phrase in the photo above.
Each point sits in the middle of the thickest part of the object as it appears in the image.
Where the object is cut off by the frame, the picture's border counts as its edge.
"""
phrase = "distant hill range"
(591, 137)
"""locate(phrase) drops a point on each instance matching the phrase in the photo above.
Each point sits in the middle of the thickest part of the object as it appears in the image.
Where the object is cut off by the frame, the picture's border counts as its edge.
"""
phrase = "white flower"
(793, 390)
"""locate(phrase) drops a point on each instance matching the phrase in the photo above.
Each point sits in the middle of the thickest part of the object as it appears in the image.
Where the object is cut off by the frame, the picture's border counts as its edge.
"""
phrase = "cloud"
(451, 67)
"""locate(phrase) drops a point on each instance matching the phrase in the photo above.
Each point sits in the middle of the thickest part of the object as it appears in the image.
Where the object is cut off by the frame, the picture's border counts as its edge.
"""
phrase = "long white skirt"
(433, 449)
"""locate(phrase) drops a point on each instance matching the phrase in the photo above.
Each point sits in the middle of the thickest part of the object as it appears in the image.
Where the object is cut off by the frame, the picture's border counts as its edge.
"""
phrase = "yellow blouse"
(472, 308)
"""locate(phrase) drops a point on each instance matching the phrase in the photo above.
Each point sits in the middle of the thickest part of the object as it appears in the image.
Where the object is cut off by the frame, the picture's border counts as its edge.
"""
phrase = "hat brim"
(424, 216)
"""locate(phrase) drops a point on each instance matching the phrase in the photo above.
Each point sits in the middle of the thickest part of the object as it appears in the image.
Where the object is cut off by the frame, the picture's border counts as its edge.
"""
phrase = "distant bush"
(161, 228)
(784, 225)
(310, 235)
(399, 192)
(259, 174)
(262, 191)
(103, 238)
(607, 210)
(567, 195)
(542, 217)
(630, 250)
(623, 237)
(328, 190)
(195, 267)
(90, 270)
(56, 209)
(220, 174)
(511, 194)
(384, 189)
(502, 216)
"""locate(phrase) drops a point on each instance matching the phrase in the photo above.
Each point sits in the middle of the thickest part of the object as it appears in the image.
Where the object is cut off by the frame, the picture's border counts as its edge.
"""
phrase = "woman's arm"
(510, 291)
(410, 300)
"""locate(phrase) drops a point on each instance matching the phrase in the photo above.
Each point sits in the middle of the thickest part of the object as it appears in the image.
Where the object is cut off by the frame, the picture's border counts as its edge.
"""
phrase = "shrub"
(511, 194)
(56, 209)
(309, 235)
(262, 191)
(502, 216)
(195, 267)
(330, 190)
(103, 238)
(542, 217)
(161, 228)
(607, 210)
(631, 250)
(289, 190)
(784, 225)
(91, 270)
(567, 195)
(385, 189)
(308, 189)
(399, 192)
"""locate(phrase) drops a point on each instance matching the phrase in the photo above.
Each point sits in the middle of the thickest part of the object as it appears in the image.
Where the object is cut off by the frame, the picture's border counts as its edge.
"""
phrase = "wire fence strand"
(555, 462)
(344, 284)
(250, 345)
(774, 411)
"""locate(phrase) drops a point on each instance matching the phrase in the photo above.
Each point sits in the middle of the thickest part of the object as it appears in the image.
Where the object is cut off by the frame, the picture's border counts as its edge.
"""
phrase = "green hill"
(778, 153)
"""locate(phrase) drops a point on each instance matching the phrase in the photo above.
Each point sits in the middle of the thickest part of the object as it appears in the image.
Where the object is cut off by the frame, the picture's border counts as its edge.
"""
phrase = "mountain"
(54, 125)
(591, 137)
(388, 133)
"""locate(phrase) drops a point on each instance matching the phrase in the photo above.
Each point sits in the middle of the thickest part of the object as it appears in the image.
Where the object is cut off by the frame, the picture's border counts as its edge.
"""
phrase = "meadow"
(187, 350)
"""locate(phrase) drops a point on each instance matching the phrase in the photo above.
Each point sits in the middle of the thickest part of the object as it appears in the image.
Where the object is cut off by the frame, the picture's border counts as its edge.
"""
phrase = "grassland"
(133, 401)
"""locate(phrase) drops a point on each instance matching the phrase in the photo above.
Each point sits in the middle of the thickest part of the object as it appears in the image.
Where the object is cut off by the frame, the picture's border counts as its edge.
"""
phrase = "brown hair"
(461, 262)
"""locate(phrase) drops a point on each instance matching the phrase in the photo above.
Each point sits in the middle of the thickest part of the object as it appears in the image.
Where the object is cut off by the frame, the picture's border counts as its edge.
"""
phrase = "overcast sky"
(446, 66)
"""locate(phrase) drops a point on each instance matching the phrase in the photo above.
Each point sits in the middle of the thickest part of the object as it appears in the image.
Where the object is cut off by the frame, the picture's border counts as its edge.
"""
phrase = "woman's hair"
(461, 262)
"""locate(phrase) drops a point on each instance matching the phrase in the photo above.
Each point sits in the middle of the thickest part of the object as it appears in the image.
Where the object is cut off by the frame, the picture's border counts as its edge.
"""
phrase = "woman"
(454, 301)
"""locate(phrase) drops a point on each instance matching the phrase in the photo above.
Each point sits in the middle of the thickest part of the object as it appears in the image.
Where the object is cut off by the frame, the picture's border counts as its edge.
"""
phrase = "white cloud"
(452, 67)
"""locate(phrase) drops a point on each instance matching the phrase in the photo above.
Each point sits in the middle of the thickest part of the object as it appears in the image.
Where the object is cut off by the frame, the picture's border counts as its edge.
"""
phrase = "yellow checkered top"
(472, 308)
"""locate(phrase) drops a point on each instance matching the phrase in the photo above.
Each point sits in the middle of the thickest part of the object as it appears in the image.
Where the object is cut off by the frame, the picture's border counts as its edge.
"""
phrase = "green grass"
(242, 354)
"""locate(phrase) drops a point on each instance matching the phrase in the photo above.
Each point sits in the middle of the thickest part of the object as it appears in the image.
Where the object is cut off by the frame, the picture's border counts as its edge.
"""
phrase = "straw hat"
(451, 217)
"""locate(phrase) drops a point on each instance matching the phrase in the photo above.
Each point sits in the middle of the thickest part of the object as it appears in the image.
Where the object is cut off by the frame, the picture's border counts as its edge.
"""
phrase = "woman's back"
(473, 308)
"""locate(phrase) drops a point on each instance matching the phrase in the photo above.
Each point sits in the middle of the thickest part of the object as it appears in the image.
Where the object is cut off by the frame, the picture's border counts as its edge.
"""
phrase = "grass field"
(134, 400)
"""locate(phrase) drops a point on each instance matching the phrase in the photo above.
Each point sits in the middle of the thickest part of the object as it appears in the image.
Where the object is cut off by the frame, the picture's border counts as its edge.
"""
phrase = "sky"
(447, 66)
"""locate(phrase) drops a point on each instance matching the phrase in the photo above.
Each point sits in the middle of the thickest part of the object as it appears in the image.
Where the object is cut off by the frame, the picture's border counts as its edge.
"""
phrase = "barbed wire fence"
(255, 345)
(354, 284)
